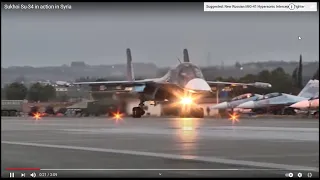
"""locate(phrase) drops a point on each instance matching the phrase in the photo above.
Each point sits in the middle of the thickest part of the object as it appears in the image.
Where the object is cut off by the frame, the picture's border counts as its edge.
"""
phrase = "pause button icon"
(11, 174)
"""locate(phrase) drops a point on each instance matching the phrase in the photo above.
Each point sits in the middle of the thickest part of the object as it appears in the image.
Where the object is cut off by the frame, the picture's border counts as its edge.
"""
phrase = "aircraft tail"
(186, 56)
(130, 74)
(310, 90)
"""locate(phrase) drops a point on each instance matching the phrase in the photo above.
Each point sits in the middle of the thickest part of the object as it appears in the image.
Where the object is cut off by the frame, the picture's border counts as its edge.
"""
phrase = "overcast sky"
(100, 37)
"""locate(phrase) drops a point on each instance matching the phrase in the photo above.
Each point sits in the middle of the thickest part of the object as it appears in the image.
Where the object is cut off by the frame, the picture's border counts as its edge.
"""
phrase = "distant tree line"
(316, 75)
(280, 80)
(36, 92)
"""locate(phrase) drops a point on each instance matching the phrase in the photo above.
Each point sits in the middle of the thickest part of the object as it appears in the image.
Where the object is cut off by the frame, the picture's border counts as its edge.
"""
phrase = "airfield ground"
(160, 147)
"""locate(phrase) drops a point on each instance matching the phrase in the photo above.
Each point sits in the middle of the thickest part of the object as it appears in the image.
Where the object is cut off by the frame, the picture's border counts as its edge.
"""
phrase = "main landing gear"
(137, 112)
(195, 112)
(192, 112)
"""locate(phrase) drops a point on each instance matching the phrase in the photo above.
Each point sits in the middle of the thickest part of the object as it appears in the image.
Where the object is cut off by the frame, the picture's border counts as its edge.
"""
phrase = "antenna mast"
(179, 60)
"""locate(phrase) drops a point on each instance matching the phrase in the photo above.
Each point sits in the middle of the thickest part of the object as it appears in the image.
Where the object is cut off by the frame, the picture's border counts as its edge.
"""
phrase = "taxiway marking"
(172, 156)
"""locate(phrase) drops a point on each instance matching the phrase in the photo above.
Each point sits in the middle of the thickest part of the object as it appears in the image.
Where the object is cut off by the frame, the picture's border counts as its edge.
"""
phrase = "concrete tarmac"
(159, 147)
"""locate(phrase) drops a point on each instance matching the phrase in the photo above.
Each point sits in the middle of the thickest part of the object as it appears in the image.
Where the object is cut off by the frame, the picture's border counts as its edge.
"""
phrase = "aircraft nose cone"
(300, 104)
(198, 84)
(314, 103)
(223, 105)
(247, 105)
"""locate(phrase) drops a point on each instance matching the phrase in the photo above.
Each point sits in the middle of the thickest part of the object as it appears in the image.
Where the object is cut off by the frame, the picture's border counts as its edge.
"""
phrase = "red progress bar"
(22, 169)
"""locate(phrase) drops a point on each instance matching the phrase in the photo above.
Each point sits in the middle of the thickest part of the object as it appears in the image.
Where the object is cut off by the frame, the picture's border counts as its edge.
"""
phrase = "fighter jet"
(310, 106)
(62, 83)
(277, 101)
(182, 84)
(236, 101)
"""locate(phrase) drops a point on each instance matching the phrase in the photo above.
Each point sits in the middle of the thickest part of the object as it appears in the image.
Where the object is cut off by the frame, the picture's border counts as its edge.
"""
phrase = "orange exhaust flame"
(37, 116)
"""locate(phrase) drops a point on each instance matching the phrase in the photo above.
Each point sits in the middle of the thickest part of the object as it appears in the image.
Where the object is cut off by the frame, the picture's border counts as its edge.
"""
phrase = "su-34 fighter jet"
(182, 85)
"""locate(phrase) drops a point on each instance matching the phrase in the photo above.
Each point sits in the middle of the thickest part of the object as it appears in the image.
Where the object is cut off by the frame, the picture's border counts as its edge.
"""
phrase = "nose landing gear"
(137, 112)
(194, 112)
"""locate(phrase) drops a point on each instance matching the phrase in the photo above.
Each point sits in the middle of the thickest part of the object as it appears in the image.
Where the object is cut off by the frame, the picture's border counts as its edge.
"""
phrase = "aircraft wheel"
(184, 114)
(4, 113)
(316, 114)
(13, 113)
(289, 111)
(277, 112)
(196, 113)
(199, 113)
(137, 112)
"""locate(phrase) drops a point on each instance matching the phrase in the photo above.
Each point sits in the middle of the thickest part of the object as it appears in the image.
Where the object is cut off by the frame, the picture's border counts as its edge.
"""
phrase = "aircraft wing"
(280, 101)
(128, 86)
(119, 86)
(286, 99)
(255, 84)
(115, 83)
(163, 79)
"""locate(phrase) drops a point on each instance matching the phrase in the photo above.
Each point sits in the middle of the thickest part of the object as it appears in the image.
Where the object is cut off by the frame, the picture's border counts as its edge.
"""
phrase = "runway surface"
(160, 147)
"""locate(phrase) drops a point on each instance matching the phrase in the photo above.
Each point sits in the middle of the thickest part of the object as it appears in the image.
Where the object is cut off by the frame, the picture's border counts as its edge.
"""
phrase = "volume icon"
(33, 175)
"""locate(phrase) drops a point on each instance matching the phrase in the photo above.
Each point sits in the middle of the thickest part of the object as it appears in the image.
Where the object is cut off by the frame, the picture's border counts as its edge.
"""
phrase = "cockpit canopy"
(270, 95)
(243, 96)
(188, 71)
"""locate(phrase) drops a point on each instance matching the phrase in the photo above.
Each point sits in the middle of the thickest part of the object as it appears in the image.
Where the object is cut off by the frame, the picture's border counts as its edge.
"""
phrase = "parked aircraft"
(311, 106)
(236, 101)
(276, 102)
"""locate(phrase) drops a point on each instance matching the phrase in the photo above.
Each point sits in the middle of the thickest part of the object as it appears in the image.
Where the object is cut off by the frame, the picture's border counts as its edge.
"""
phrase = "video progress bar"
(173, 170)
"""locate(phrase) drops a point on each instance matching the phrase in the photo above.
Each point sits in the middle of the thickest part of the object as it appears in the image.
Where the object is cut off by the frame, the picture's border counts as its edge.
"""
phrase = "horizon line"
(166, 66)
